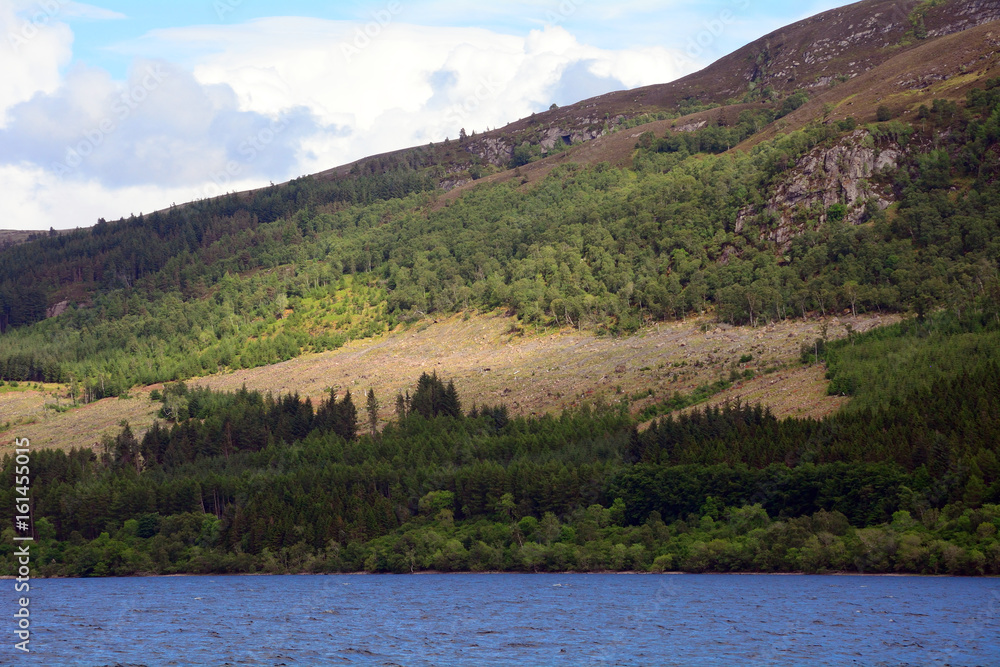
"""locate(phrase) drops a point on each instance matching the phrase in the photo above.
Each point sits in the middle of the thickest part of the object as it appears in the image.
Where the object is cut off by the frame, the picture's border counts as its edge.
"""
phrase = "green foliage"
(912, 357)
(916, 18)
(432, 398)
(643, 119)
(680, 401)
(711, 139)
(690, 105)
(238, 282)
(847, 124)
(524, 154)
(251, 483)
(792, 102)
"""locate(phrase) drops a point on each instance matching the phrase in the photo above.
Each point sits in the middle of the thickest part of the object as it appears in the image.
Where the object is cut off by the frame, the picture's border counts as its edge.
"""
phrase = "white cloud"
(335, 91)
(160, 127)
(82, 10)
(35, 198)
(402, 84)
(33, 48)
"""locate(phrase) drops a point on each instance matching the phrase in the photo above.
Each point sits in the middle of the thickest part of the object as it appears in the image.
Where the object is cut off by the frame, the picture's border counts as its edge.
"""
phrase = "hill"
(778, 194)
(249, 482)
(495, 359)
(536, 349)
(894, 45)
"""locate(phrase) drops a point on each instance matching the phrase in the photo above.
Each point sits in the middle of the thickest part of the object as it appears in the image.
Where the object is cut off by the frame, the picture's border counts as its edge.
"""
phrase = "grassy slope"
(530, 372)
(946, 68)
(867, 41)
(912, 76)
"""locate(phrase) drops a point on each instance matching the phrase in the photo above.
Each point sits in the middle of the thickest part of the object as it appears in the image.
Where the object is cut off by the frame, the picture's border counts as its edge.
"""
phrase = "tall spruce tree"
(372, 406)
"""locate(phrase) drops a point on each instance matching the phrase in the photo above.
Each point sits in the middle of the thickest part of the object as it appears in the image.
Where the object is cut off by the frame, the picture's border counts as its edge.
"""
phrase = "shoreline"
(839, 573)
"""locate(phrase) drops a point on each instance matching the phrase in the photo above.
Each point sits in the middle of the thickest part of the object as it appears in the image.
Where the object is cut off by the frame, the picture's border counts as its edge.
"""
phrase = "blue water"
(562, 619)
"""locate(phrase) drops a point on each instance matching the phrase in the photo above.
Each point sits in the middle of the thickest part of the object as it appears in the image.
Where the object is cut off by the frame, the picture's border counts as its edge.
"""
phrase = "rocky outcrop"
(57, 309)
(449, 184)
(825, 177)
(691, 127)
(493, 150)
(556, 135)
(498, 151)
(967, 15)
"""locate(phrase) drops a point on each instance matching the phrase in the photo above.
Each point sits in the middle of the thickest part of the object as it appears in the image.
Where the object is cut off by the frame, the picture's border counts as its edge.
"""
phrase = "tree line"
(244, 482)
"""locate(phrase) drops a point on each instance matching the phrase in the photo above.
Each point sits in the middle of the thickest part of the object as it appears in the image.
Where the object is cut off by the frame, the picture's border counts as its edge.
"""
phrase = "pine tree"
(325, 414)
(346, 422)
(372, 406)
(400, 407)
(450, 405)
(425, 397)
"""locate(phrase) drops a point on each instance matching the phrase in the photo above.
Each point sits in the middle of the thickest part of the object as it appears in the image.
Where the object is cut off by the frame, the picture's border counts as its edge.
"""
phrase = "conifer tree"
(346, 421)
(400, 407)
(450, 405)
(372, 406)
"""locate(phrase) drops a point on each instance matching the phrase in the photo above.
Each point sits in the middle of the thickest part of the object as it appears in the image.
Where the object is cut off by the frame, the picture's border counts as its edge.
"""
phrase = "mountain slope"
(815, 55)
(835, 45)
(753, 212)
(494, 361)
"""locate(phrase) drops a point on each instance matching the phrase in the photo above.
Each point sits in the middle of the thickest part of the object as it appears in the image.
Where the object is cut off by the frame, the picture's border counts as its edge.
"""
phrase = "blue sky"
(115, 107)
(644, 23)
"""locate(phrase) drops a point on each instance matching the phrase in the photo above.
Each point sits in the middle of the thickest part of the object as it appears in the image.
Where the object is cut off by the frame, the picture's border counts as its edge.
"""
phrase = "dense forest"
(907, 480)
(247, 280)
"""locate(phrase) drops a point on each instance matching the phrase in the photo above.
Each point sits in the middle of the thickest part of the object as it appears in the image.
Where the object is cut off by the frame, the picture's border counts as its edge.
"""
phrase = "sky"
(118, 108)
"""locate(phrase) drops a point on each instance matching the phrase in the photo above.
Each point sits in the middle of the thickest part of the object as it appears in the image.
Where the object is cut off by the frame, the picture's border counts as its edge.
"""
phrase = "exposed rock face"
(555, 135)
(828, 176)
(452, 183)
(691, 127)
(493, 150)
(574, 130)
(968, 14)
(57, 309)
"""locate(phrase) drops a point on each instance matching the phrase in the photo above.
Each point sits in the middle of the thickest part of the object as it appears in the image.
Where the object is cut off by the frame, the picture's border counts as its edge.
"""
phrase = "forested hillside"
(250, 280)
(246, 482)
(828, 170)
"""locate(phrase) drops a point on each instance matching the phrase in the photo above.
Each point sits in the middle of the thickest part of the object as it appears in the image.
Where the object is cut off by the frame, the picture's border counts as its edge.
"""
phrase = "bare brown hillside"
(492, 360)
(945, 68)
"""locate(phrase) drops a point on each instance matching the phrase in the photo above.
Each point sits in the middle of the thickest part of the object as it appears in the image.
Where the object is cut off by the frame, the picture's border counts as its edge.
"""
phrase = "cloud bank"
(206, 109)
